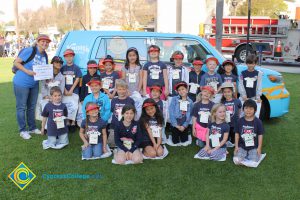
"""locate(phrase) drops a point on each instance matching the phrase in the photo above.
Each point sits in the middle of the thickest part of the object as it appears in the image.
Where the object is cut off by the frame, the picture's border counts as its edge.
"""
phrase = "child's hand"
(166, 92)
(194, 132)
(104, 149)
(85, 144)
(129, 155)
(258, 152)
(206, 148)
(46, 97)
(236, 149)
(181, 128)
(42, 131)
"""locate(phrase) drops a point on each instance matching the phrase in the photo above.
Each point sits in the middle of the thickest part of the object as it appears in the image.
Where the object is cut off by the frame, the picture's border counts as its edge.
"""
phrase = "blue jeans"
(26, 99)
(93, 150)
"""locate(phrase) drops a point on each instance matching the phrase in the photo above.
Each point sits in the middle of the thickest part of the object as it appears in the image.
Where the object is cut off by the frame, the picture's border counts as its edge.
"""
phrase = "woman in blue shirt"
(26, 88)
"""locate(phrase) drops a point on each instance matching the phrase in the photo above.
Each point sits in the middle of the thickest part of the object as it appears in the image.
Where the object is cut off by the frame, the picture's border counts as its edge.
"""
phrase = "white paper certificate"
(43, 72)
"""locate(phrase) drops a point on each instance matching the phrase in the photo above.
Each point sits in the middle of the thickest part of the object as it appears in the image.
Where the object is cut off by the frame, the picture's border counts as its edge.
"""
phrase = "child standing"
(195, 78)
(109, 77)
(249, 134)
(217, 135)
(93, 133)
(117, 103)
(151, 123)
(92, 72)
(233, 109)
(99, 98)
(55, 113)
(212, 78)
(132, 71)
(72, 75)
(177, 72)
(250, 81)
(228, 72)
(180, 113)
(128, 137)
(58, 78)
(201, 114)
(155, 72)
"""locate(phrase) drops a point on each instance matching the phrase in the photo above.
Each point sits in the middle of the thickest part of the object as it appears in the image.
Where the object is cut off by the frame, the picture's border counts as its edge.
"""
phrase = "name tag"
(155, 131)
(176, 74)
(214, 85)
(193, 88)
(106, 83)
(155, 74)
(52, 84)
(250, 82)
(215, 139)
(89, 89)
(93, 137)
(183, 105)
(249, 140)
(60, 123)
(132, 77)
(69, 79)
(204, 116)
(127, 144)
(228, 118)
(119, 113)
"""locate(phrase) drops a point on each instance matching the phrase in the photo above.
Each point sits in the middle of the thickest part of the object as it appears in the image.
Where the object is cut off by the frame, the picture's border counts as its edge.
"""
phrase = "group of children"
(205, 104)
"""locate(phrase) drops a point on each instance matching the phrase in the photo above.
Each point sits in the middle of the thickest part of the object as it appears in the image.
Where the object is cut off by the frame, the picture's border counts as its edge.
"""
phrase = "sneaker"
(25, 135)
(229, 144)
(36, 131)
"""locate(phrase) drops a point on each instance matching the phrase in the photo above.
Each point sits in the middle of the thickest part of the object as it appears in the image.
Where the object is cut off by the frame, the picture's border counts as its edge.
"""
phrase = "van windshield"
(190, 48)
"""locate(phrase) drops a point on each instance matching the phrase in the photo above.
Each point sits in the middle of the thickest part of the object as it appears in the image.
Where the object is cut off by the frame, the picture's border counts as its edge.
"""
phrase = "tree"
(129, 14)
(269, 8)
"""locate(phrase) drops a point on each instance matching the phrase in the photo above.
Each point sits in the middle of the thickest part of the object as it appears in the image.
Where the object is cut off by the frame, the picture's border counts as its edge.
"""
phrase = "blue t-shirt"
(249, 132)
(229, 78)
(132, 132)
(52, 111)
(233, 108)
(22, 79)
(220, 129)
(94, 127)
(111, 77)
(73, 71)
(208, 79)
(152, 122)
(250, 89)
(155, 73)
(198, 108)
(116, 108)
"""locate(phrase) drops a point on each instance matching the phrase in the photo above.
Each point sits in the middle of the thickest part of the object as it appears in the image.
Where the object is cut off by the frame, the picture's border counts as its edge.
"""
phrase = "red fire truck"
(278, 39)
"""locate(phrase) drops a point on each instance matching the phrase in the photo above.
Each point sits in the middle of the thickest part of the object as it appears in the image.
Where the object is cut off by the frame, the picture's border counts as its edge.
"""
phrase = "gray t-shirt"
(58, 80)
(132, 77)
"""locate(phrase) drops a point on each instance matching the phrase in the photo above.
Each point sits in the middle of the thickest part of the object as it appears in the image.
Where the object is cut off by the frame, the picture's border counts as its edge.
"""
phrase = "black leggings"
(231, 136)
(178, 136)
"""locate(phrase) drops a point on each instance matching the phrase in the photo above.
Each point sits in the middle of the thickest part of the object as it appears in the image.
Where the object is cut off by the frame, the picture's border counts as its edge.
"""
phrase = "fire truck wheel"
(240, 53)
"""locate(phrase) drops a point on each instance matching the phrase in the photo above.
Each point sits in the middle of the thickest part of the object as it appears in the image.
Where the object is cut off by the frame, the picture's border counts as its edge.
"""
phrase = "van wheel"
(265, 109)
(240, 53)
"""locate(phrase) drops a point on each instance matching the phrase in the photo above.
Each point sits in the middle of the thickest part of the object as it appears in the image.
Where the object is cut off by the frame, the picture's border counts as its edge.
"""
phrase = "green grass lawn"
(178, 176)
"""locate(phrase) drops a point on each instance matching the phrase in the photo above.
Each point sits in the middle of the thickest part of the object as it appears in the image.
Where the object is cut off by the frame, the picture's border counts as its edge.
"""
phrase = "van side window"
(190, 49)
(117, 47)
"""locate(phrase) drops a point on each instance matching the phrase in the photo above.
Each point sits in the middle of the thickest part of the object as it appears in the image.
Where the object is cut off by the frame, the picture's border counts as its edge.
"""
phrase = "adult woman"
(26, 88)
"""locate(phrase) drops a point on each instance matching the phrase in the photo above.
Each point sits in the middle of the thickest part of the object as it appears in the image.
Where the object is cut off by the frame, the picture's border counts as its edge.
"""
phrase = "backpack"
(14, 69)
